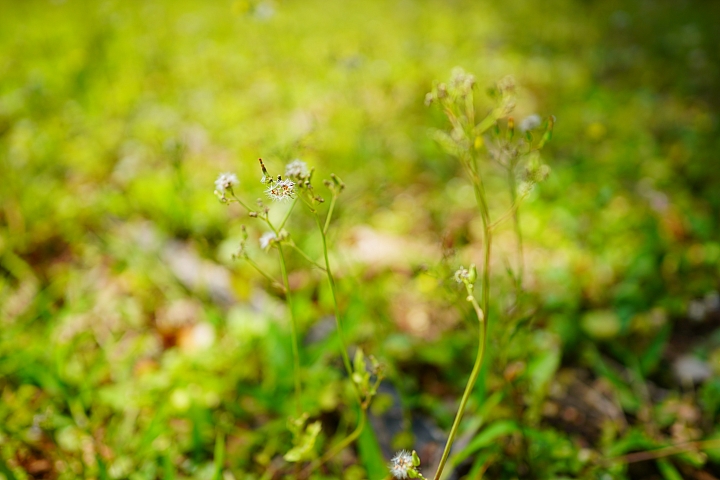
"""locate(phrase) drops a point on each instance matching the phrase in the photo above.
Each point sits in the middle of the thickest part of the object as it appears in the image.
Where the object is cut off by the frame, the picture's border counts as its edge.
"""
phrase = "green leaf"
(6, 471)
(371, 455)
(668, 470)
(102, 469)
(304, 448)
(654, 351)
(219, 459)
(486, 437)
(168, 467)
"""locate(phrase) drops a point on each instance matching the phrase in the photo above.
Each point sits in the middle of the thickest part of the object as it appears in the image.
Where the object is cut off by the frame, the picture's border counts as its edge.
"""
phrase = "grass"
(134, 346)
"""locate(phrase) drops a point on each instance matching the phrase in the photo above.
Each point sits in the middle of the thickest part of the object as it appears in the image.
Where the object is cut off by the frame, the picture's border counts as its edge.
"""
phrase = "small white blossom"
(297, 169)
(401, 464)
(462, 274)
(266, 240)
(281, 190)
(530, 122)
(226, 181)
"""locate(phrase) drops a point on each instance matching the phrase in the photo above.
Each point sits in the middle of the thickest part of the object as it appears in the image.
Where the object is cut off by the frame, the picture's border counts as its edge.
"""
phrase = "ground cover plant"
(137, 340)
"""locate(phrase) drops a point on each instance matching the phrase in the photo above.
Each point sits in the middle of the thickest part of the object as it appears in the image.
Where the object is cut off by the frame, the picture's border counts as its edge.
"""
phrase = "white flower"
(281, 190)
(297, 169)
(401, 464)
(530, 122)
(461, 274)
(267, 239)
(226, 181)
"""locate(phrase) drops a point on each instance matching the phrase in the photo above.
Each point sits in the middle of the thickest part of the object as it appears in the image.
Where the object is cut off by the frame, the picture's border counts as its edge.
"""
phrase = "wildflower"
(281, 190)
(226, 181)
(462, 274)
(402, 464)
(530, 122)
(267, 239)
(297, 169)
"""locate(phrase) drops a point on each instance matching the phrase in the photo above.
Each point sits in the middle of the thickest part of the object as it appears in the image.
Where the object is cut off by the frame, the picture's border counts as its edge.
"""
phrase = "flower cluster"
(404, 465)
(297, 169)
(281, 190)
(465, 275)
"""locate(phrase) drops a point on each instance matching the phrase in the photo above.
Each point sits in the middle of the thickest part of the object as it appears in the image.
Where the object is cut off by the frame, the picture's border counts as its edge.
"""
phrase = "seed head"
(281, 190)
(401, 465)
(530, 122)
(462, 274)
(297, 169)
(226, 181)
(267, 239)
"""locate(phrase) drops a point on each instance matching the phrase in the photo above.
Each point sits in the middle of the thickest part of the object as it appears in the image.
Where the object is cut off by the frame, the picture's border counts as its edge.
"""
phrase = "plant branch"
(274, 282)
(294, 329)
(665, 451)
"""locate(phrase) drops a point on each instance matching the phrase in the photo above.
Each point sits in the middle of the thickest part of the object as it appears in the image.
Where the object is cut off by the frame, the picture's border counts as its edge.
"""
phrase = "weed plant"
(297, 185)
(475, 142)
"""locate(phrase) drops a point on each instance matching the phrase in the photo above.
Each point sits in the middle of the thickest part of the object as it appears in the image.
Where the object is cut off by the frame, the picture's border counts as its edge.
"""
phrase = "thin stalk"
(294, 329)
(239, 201)
(482, 312)
(329, 214)
(343, 345)
(274, 282)
(468, 388)
(516, 225)
(507, 214)
(287, 215)
(666, 451)
(333, 292)
(305, 255)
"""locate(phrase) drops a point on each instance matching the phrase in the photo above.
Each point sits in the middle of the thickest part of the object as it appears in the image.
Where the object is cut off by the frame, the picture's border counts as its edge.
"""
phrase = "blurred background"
(132, 345)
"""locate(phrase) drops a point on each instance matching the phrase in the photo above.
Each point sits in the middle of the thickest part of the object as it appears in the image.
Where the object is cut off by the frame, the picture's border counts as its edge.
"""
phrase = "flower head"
(297, 169)
(401, 465)
(267, 239)
(530, 122)
(462, 274)
(281, 190)
(226, 181)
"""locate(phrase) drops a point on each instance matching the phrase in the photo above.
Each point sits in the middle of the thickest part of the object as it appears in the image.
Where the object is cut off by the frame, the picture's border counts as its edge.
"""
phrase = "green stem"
(338, 322)
(482, 313)
(287, 215)
(239, 201)
(346, 359)
(665, 452)
(294, 329)
(516, 225)
(305, 255)
(468, 388)
(274, 282)
(329, 214)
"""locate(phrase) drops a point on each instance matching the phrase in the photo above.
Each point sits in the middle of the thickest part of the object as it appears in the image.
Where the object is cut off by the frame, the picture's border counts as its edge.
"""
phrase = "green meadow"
(146, 333)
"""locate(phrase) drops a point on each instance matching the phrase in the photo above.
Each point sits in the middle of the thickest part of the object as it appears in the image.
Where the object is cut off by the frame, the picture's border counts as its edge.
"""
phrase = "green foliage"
(133, 345)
